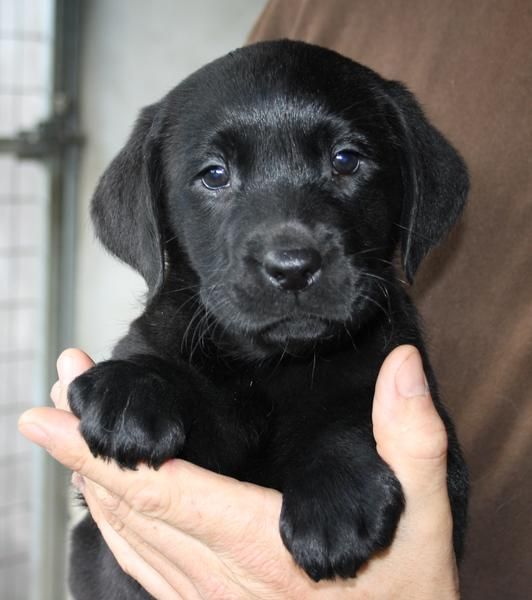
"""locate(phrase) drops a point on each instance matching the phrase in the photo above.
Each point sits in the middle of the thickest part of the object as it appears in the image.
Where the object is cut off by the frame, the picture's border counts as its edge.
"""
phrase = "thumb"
(409, 432)
(412, 439)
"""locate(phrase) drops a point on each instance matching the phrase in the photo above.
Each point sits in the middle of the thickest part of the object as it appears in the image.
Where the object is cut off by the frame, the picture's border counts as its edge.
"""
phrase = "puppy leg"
(133, 411)
(341, 504)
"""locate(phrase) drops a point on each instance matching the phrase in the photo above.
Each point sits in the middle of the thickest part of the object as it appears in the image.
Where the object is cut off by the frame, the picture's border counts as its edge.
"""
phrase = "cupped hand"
(186, 533)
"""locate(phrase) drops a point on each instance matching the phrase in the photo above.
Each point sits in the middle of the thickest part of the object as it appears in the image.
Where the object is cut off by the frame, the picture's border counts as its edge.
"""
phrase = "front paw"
(128, 413)
(332, 525)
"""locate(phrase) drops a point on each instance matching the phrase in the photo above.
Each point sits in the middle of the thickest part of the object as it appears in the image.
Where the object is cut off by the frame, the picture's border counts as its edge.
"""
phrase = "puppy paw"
(332, 529)
(128, 413)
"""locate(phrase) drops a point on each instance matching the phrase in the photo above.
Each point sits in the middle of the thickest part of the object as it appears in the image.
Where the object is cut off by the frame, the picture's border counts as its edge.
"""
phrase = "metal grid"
(25, 79)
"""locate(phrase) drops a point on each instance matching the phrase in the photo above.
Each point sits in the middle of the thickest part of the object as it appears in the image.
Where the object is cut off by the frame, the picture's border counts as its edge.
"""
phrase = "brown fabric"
(469, 63)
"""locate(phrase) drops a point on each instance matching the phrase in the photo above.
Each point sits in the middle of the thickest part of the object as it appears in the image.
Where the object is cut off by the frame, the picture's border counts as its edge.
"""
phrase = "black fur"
(273, 299)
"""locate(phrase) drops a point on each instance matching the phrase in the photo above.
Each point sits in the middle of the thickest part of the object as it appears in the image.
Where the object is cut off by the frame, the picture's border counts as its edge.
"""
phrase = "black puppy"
(262, 200)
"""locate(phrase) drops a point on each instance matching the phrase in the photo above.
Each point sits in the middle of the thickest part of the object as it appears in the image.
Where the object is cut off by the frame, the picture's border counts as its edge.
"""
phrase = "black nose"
(292, 270)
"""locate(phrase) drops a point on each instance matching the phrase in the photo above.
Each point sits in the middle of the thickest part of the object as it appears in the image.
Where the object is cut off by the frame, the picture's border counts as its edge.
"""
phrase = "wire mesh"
(25, 78)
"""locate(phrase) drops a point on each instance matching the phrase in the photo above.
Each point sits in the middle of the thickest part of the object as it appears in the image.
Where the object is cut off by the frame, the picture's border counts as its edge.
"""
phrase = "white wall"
(134, 51)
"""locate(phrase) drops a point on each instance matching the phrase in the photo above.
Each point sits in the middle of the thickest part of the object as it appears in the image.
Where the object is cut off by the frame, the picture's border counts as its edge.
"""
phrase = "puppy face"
(287, 174)
(282, 197)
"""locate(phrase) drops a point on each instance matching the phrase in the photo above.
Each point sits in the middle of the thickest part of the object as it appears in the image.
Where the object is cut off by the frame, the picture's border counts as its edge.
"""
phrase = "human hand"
(185, 532)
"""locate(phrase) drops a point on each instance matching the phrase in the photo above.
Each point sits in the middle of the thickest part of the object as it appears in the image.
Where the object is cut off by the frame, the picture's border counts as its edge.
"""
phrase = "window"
(37, 168)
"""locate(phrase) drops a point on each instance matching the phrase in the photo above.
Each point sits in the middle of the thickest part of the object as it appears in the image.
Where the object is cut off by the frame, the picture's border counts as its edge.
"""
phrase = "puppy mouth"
(301, 329)
(293, 321)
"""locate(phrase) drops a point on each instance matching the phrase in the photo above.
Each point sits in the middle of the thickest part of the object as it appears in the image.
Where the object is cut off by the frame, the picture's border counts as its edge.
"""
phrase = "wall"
(134, 52)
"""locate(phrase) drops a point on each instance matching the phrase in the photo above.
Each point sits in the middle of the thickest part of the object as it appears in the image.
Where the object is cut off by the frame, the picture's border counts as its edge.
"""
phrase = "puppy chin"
(301, 330)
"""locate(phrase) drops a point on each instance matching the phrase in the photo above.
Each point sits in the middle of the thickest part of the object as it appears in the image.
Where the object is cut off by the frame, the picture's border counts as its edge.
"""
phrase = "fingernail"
(410, 378)
(35, 433)
(64, 368)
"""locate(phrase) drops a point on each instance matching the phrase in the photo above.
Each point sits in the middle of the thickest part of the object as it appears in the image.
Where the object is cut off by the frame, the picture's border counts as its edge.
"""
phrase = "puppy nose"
(292, 270)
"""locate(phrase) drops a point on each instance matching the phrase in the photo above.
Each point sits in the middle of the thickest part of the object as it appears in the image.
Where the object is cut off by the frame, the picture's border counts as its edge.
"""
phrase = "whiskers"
(201, 325)
(383, 303)
(431, 241)
(196, 287)
(390, 267)
(346, 328)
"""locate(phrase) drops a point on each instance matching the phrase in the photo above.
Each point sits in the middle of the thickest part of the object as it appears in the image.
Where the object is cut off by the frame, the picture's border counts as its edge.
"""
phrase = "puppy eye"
(215, 177)
(345, 162)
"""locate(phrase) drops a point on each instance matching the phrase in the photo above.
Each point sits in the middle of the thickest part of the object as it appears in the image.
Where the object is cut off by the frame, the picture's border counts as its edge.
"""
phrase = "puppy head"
(286, 174)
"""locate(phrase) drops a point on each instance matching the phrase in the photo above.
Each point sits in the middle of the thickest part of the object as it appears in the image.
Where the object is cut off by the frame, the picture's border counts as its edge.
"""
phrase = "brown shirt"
(470, 65)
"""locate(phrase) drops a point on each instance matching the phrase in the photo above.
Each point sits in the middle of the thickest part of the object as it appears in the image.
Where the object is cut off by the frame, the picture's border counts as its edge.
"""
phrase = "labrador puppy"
(263, 200)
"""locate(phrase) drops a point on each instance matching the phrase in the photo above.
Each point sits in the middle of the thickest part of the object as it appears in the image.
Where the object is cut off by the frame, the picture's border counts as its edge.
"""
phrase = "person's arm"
(186, 533)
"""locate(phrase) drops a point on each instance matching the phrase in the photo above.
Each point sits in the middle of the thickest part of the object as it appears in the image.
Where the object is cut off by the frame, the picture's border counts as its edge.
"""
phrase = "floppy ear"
(126, 205)
(435, 180)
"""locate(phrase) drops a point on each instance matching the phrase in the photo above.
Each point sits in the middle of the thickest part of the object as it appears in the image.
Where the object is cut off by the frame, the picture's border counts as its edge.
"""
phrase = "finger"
(250, 566)
(190, 498)
(131, 562)
(183, 561)
(410, 434)
(55, 394)
(70, 364)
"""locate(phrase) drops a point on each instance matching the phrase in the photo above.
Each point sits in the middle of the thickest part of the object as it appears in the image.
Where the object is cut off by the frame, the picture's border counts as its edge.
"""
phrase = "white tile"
(4, 366)
(9, 16)
(24, 277)
(37, 16)
(18, 276)
(17, 325)
(23, 326)
(8, 117)
(26, 223)
(6, 286)
(7, 166)
(5, 226)
(10, 62)
(33, 110)
(16, 478)
(5, 341)
(31, 179)
(32, 71)
(12, 443)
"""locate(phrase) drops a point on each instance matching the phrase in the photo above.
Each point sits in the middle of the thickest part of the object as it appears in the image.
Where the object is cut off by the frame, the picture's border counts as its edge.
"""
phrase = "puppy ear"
(126, 204)
(434, 176)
